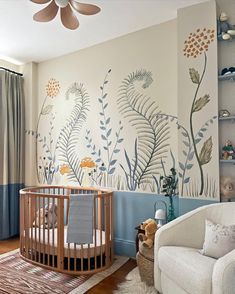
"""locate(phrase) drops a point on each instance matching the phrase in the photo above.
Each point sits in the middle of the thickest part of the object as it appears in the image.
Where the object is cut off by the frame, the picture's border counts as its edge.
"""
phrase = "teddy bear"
(224, 29)
(49, 219)
(227, 188)
(150, 227)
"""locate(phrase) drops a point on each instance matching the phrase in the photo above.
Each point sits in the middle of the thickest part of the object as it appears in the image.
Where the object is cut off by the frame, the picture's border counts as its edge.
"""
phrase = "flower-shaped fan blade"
(46, 14)
(68, 18)
(40, 1)
(86, 9)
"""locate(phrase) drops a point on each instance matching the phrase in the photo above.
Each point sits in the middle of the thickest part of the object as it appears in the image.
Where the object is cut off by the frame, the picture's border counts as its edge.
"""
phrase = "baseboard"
(124, 247)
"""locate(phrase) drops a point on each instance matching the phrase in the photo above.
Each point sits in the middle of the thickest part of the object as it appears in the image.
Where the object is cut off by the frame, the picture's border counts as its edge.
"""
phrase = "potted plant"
(169, 185)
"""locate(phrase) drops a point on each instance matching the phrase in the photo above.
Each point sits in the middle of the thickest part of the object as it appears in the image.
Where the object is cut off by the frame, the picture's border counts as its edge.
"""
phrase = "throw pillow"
(219, 239)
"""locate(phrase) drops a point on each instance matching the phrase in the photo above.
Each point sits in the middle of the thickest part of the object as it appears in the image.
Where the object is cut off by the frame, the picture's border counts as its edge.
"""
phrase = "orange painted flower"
(198, 42)
(52, 88)
(64, 169)
(87, 162)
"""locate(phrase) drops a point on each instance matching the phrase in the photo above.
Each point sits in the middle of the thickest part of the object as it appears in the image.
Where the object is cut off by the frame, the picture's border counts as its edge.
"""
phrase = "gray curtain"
(11, 151)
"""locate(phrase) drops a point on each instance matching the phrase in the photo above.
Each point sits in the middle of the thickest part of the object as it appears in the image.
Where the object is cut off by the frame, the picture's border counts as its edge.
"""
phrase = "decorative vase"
(171, 210)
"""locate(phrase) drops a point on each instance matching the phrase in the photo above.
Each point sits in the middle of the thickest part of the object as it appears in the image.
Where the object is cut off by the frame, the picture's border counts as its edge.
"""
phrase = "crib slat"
(43, 228)
(53, 234)
(95, 227)
(48, 232)
(60, 234)
(39, 227)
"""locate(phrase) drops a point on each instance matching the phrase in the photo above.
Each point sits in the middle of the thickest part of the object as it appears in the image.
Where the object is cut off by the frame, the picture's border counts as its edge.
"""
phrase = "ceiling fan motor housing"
(62, 3)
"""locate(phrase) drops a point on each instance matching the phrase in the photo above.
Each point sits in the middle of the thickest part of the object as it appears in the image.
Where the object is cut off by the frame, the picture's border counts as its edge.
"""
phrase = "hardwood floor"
(8, 245)
(104, 287)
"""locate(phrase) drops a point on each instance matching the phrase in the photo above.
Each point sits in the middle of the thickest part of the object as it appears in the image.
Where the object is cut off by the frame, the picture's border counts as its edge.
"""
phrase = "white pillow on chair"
(219, 239)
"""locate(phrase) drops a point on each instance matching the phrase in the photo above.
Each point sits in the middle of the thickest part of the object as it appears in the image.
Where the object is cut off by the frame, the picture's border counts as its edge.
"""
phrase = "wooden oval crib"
(44, 215)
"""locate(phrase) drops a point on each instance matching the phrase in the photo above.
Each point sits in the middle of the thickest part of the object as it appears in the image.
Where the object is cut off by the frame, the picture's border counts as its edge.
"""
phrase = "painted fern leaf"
(152, 129)
(69, 135)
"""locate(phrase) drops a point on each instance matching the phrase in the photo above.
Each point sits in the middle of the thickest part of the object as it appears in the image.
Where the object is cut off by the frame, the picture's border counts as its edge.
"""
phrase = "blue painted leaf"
(93, 153)
(185, 153)
(109, 132)
(101, 88)
(101, 113)
(184, 134)
(186, 180)
(191, 155)
(44, 145)
(106, 82)
(101, 122)
(186, 143)
(116, 150)
(113, 162)
(107, 120)
(189, 166)
(211, 121)
(180, 175)
(120, 140)
(197, 140)
(99, 152)
(111, 171)
(203, 129)
(103, 128)
(116, 134)
(98, 160)
(102, 168)
(109, 143)
(103, 137)
(105, 148)
(86, 138)
(179, 127)
(181, 165)
(121, 128)
(93, 147)
(109, 71)
(100, 100)
(49, 157)
(105, 106)
(200, 134)
(215, 116)
(105, 95)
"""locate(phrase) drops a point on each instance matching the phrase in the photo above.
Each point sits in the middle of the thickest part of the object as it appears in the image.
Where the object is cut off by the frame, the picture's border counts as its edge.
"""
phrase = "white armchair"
(179, 268)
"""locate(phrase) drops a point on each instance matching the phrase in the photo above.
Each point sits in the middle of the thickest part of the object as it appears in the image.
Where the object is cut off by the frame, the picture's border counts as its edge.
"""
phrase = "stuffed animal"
(227, 188)
(49, 219)
(224, 29)
(150, 227)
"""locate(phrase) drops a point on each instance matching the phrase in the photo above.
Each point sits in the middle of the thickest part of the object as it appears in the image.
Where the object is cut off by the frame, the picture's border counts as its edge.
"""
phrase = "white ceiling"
(25, 40)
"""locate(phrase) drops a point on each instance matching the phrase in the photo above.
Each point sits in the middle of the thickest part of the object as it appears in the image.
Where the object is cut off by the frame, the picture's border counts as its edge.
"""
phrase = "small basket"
(145, 262)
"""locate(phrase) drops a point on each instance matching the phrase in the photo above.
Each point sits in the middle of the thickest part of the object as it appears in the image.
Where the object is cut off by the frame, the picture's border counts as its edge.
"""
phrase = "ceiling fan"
(68, 18)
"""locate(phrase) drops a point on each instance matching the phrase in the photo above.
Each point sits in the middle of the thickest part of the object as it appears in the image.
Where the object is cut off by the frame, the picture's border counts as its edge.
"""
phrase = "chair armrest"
(223, 280)
(187, 230)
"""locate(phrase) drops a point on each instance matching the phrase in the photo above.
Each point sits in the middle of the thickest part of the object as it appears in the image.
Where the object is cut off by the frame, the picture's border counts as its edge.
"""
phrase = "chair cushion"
(187, 268)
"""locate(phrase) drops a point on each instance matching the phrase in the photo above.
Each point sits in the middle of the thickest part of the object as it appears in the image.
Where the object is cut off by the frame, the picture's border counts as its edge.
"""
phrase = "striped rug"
(21, 277)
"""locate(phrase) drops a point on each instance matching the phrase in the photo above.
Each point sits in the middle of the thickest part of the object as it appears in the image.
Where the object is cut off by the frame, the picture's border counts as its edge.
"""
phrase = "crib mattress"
(45, 243)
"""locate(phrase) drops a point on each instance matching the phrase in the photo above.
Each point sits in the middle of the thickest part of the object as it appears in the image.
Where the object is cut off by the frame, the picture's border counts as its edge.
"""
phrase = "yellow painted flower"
(52, 88)
(64, 169)
(198, 42)
(87, 162)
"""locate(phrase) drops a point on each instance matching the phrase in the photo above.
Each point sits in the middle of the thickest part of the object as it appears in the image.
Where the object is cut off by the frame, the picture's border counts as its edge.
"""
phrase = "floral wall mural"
(69, 156)
(198, 122)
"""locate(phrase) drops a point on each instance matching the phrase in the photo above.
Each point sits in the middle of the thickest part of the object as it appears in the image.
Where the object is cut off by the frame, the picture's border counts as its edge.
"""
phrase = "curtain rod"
(12, 71)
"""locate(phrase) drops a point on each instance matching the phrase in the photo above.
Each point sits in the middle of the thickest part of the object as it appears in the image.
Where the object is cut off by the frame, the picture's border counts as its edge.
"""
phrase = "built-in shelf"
(227, 77)
(231, 117)
(230, 161)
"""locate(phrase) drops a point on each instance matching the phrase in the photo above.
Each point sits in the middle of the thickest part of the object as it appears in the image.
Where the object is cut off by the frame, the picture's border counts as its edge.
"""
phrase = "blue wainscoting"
(186, 205)
(130, 209)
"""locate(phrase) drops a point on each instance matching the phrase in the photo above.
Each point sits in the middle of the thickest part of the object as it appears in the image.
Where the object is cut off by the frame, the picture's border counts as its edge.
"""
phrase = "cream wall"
(153, 49)
(11, 66)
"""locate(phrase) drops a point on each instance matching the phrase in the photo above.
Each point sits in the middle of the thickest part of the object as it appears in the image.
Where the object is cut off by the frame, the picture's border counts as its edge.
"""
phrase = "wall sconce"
(160, 209)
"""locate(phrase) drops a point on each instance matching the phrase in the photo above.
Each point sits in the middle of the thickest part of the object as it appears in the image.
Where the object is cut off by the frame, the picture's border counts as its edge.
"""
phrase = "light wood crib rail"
(43, 229)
